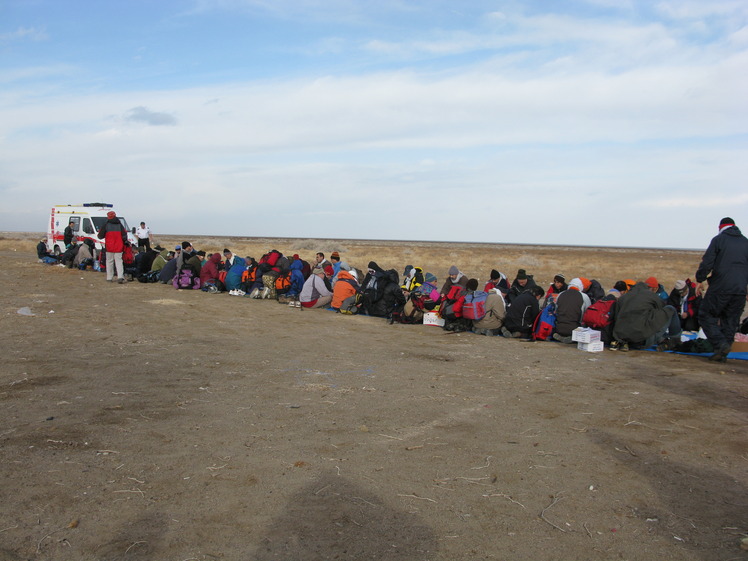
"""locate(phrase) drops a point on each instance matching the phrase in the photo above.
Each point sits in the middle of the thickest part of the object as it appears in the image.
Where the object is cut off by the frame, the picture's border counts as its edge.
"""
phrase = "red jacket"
(114, 235)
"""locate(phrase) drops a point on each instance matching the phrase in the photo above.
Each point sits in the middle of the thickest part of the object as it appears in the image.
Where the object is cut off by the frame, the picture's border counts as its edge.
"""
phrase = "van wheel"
(57, 251)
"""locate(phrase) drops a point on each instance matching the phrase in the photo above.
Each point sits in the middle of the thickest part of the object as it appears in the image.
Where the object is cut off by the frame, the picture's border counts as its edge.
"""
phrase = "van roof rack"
(98, 204)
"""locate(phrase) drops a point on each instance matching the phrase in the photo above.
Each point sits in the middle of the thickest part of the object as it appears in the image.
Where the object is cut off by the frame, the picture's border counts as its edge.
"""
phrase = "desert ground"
(144, 423)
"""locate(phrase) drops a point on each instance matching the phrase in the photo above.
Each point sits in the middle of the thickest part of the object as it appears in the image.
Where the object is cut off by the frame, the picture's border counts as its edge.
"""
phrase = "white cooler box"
(585, 335)
(432, 318)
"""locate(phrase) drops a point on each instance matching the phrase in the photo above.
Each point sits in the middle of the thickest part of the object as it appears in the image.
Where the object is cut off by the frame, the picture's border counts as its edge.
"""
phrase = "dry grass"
(475, 260)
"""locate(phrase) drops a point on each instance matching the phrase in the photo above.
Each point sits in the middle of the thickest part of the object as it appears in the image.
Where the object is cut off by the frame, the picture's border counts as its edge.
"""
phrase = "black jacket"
(522, 313)
(725, 263)
(568, 311)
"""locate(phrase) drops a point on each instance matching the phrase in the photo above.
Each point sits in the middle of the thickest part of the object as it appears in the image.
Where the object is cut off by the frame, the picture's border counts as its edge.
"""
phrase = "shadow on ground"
(333, 518)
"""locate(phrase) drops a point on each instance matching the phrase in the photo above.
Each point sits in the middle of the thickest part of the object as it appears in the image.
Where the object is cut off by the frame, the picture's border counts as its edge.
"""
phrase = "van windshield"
(99, 221)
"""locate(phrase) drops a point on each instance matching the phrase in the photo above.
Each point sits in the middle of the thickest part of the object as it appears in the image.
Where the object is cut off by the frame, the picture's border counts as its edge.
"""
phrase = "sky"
(583, 122)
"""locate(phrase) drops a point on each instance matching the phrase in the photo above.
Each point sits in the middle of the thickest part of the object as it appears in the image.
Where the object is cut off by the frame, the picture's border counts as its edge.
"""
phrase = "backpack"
(451, 308)
(597, 315)
(283, 283)
(475, 305)
(150, 276)
(544, 324)
(186, 279)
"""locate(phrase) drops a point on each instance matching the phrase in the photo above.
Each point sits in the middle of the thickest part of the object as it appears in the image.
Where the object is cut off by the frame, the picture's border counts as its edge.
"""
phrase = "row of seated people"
(510, 310)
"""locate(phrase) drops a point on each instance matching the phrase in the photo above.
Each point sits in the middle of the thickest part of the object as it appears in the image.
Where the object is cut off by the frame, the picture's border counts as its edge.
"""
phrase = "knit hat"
(178, 248)
(111, 214)
(335, 255)
(586, 283)
(495, 275)
(629, 282)
(521, 274)
(615, 292)
(726, 222)
(430, 278)
(472, 284)
(680, 285)
(226, 250)
(651, 282)
(329, 271)
(453, 270)
(373, 265)
(559, 278)
(576, 284)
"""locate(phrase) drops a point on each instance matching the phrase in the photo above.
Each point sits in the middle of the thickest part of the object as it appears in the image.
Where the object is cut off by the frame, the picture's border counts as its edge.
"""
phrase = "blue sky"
(597, 122)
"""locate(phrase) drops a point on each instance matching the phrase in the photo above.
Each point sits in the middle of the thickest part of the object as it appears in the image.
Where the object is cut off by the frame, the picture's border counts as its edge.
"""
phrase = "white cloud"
(22, 33)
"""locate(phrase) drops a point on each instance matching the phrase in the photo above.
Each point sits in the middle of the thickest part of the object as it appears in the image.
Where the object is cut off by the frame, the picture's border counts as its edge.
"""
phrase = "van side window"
(76, 220)
(87, 226)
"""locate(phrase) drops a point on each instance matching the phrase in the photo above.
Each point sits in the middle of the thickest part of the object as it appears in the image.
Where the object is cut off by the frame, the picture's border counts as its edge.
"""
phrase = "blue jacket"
(297, 278)
(234, 274)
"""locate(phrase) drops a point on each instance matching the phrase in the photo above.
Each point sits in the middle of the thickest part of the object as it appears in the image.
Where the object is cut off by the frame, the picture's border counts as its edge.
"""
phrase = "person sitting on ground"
(344, 292)
(659, 289)
(621, 287)
(454, 277)
(428, 290)
(683, 298)
(570, 306)
(592, 289)
(209, 272)
(169, 270)
(451, 310)
(601, 315)
(522, 283)
(85, 255)
(520, 316)
(317, 291)
(229, 259)
(498, 281)
(493, 321)
(642, 319)
(380, 292)
(318, 268)
(233, 278)
(335, 262)
(297, 280)
(43, 254)
(161, 260)
(557, 287)
(412, 279)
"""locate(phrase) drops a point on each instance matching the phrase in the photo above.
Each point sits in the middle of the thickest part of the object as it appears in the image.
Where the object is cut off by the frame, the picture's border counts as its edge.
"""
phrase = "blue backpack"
(545, 323)
(475, 305)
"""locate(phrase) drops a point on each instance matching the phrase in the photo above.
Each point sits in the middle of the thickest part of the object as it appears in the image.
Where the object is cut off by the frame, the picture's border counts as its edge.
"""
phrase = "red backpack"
(597, 315)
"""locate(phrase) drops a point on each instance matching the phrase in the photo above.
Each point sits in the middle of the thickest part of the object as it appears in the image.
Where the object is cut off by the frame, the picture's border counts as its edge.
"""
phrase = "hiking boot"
(121, 281)
(506, 333)
(254, 293)
(614, 345)
(624, 347)
(265, 293)
(561, 339)
(669, 344)
(721, 354)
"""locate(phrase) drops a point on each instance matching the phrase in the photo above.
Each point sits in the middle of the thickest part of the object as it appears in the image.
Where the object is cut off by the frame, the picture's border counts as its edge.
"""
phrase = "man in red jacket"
(114, 236)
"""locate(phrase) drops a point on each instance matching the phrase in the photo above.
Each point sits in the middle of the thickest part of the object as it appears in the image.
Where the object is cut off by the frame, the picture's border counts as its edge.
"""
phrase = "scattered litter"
(25, 311)
(51, 311)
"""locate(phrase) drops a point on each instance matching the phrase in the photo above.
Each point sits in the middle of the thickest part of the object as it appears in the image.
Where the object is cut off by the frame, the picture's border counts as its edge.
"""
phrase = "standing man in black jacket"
(725, 266)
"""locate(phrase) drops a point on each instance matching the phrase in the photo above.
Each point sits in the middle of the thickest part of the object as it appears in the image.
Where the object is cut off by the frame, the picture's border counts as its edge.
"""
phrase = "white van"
(87, 218)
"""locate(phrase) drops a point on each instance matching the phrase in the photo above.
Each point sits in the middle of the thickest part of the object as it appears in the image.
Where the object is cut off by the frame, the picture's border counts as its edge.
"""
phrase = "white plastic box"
(585, 335)
(432, 318)
(594, 347)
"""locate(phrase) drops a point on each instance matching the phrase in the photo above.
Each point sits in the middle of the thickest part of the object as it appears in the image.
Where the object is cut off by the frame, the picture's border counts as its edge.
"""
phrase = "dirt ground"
(144, 423)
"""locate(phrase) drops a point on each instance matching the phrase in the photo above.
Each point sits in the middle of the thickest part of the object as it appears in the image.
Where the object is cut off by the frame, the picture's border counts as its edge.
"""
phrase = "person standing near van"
(144, 236)
(114, 236)
(69, 234)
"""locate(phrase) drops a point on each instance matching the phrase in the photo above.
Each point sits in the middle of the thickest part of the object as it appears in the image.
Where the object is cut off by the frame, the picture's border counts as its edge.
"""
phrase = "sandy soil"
(141, 422)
